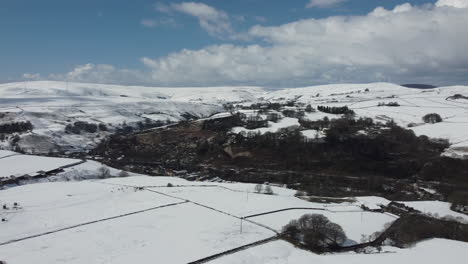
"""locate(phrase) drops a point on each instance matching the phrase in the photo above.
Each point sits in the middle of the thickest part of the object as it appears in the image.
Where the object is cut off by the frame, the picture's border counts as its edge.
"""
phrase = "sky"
(271, 43)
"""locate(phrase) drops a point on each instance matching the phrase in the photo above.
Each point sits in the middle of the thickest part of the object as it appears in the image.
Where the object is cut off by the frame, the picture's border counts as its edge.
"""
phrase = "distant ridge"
(419, 86)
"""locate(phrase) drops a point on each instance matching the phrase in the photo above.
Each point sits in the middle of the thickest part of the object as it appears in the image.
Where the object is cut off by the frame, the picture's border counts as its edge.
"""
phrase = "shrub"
(170, 185)
(103, 172)
(432, 118)
(309, 109)
(123, 174)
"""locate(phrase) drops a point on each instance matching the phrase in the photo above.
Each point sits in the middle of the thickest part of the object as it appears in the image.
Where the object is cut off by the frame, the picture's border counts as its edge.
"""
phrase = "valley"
(125, 174)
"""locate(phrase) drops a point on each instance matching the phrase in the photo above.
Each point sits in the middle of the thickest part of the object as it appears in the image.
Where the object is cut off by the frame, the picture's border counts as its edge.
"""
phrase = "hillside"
(51, 106)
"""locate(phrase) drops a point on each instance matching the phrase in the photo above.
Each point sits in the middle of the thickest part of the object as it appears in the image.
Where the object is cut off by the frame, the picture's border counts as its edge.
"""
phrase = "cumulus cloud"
(324, 3)
(401, 44)
(404, 44)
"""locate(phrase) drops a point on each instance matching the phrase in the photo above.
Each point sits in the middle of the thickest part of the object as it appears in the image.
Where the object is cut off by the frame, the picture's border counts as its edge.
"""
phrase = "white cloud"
(164, 21)
(103, 73)
(162, 7)
(324, 3)
(453, 3)
(32, 76)
(404, 44)
(261, 19)
(151, 23)
(214, 21)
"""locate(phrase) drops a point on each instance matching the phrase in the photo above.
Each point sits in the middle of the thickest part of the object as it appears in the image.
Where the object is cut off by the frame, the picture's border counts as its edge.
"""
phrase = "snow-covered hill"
(364, 100)
(50, 106)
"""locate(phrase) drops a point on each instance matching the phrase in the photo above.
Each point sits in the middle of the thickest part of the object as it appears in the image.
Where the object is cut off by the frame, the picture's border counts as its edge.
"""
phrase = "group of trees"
(148, 124)
(255, 121)
(342, 110)
(350, 145)
(15, 127)
(293, 113)
(316, 232)
(432, 118)
(82, 126)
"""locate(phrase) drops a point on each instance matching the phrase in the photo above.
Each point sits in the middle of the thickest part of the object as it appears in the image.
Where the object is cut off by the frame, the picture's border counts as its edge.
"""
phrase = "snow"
(51, 206)
(434, 251)
(272, 126)
(87, 170)
(355, 224)
(187, 94)
(50, 106)
(177, 234)
(19, 165)
(312, 134)
(162, 181)
(114, 221)
(6, 153)
(435, 207)
(372, 202)
(242, 204)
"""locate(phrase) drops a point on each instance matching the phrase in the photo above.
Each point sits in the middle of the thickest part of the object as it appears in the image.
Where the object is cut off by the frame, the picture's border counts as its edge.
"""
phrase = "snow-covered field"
(436, 208)
(177, 234)
(6, 153)
(140, 219)
(19, 165)
(433, 251)
(50, 206)
(244, 204)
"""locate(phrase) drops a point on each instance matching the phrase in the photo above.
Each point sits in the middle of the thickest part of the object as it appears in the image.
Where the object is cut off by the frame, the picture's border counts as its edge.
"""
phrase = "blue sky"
(50, 38)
